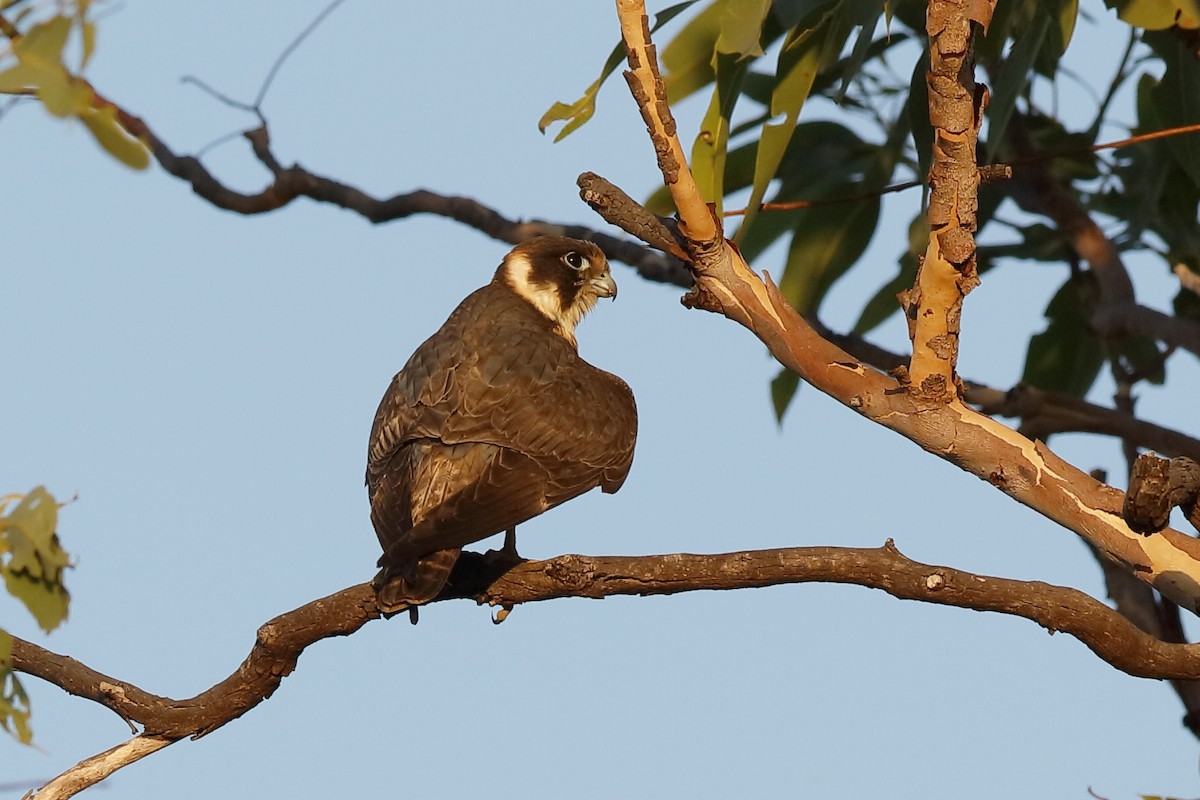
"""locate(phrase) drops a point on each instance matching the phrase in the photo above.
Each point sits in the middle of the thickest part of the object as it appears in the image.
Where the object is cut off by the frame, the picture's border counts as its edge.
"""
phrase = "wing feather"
(493, 420)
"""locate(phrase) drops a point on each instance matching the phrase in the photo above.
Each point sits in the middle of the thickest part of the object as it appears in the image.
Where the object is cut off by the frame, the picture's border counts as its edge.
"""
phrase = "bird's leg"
(506, 555)
(509, 551)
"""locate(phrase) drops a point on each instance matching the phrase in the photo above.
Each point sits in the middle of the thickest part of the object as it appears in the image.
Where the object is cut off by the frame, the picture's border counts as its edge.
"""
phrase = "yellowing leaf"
(17, 78)
(1156, 15)
(63, 95)
(14, 703)
(43, 43)
(579, 112)
(103, 124)
(709, 150)
(33, 569)
(88, 30)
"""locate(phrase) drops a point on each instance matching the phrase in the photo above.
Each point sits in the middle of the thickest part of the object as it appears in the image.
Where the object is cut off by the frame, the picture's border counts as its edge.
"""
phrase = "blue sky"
(205, 383)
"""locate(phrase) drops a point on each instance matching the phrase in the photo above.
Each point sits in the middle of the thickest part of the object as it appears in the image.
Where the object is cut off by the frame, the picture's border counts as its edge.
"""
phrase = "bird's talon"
(501, 615)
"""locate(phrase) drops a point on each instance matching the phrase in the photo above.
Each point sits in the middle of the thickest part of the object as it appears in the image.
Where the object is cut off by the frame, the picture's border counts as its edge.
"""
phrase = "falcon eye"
(574, 260)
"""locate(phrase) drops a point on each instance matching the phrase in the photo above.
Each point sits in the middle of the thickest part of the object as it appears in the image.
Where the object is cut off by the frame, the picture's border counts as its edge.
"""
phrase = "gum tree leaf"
(34, 561)
(1066, 357)
(687, 59)
(798, 63)
(14, 702)
(103, 124)
(827, 242)
(709, 149)
(741, 27)
(783, 389)
(577, 113)
(884, 303)
(1157, 15)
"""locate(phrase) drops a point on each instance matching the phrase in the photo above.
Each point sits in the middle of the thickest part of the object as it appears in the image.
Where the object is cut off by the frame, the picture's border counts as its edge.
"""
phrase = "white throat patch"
(518, 273)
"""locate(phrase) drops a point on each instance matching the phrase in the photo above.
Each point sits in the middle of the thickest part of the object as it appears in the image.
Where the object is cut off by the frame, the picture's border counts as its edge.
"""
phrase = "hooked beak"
(604, 285)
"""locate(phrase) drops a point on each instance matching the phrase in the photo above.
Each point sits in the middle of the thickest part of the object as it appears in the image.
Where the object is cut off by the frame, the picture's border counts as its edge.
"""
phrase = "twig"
(1036, 190)
(291, 48)
(1187, 279)
(92, 770)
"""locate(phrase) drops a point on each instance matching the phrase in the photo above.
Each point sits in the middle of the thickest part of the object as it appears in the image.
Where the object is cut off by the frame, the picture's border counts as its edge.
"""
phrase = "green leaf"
(1039, 242)
(709, 149)
(828, 240)
(741, 27)
(1012, 79)
(35, 563)
(579, 112)
(858, 55)
(798, 63)
(1141, 357)
(783, 388)
(917, 109)
(14, 702)
(820, 155)
(1066, 357)
(884, 303)
(1067, 15)
(688, 58)
(1174, 100)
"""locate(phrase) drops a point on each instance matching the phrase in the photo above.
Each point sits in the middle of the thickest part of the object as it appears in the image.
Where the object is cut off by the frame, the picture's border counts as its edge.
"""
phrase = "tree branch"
(1042, 413)
(947, 272)
(293, 182)
(645, 83)
(280, 641)
(1023, 469)
(1117, 314)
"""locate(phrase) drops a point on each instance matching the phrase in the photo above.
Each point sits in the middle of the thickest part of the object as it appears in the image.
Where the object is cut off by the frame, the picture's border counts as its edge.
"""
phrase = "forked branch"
(937, 421)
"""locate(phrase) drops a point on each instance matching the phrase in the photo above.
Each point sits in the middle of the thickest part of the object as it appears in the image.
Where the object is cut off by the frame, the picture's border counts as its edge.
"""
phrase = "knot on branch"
(571, 571)
(1156, 485)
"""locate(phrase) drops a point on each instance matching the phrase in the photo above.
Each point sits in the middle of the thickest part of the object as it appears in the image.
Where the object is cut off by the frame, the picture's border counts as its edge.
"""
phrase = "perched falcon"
(495, 418)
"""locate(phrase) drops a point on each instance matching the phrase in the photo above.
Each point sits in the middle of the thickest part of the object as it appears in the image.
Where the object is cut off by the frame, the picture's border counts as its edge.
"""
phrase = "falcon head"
(562, 278)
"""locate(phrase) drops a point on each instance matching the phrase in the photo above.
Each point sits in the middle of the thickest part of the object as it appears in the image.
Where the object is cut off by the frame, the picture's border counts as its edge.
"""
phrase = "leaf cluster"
(32, 564)
(35, 64)
(867, 127)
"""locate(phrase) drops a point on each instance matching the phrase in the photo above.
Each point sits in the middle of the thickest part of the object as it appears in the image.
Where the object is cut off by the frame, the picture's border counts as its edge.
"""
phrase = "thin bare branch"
(92, 770)
(291, 48)
(1035, 189)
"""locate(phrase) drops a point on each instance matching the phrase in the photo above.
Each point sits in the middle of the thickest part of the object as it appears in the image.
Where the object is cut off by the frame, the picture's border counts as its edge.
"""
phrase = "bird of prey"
(495, 419)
